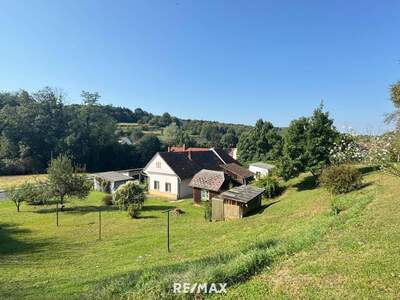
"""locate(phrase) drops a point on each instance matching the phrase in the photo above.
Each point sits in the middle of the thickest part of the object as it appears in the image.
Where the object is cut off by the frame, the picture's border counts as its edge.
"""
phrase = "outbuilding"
(207, 184)
(108, 182)
(261, 169)
(236, 202)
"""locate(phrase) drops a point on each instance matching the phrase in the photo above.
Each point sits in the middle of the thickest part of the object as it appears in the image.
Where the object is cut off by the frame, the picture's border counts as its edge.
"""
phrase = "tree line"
(35, 127)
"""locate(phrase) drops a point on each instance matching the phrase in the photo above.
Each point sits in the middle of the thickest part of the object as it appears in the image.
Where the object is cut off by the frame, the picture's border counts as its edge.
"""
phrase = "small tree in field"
(66, 180)
(16, 196)
(129, 195)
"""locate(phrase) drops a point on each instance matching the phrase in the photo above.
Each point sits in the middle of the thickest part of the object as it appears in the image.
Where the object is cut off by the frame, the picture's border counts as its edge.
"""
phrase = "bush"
(340, 179)
(208, 211)
(129, 193)
(134, 210)
(271, 185)
(107, 200)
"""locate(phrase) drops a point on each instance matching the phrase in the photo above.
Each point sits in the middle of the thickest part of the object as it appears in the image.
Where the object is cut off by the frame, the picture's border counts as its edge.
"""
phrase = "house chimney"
(190, 154)
(169, 149)
(184, 147)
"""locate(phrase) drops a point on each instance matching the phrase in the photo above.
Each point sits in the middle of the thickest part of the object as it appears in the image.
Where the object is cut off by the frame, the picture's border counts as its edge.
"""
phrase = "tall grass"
(231, 268)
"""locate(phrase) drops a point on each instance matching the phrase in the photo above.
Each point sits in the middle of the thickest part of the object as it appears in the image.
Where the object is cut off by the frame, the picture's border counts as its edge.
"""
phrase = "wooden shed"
(207, 184)
(236, 202)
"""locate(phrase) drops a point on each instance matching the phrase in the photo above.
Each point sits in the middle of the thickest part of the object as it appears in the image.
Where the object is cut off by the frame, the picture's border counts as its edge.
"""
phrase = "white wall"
(162, 179)
(158, 170)
(262, 171)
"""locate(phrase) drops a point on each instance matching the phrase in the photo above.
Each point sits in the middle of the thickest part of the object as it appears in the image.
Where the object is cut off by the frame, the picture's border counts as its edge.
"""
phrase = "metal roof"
(243, 193)
(112, 176)
(263, 165)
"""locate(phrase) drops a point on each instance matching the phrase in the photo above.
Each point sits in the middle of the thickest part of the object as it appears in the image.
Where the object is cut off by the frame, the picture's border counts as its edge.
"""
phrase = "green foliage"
(16, 195)
(105, 185)
(271, 185)
(36, 127)
(307, 145)
(208, 211)
(260, 143)
(340, 179)
(107, 200)
(66, 180)
(129, 193)
(136, 135)
(134, 210)
(147, 147)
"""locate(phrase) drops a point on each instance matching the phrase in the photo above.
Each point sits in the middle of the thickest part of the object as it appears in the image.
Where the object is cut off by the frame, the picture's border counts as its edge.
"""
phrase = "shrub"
(271, 185)
(340, 179)
(129, 193)
(208, 211)
(107, 200)
(134, 210)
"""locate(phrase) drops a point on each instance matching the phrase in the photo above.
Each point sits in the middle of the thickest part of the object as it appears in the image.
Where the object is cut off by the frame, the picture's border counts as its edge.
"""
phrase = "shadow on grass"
(157, 207)
(262, 208)
(369, 169)
(308, 183)
(77, 209)
(10, 245)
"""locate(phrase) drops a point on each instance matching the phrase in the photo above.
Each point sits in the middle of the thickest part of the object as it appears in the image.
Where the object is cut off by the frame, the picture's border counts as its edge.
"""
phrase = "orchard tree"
(64, 179)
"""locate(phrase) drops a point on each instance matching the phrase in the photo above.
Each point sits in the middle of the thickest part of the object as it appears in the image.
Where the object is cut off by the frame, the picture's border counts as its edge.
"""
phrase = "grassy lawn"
(39, 260)
(9, 181)
(357, 260)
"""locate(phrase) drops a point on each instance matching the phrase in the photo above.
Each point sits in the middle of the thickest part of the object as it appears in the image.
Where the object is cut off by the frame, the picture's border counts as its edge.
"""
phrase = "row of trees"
(36, 127)
(305, 146)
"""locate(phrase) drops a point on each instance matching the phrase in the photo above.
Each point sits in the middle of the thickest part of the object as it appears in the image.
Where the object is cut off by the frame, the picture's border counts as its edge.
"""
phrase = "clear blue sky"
(233, 61)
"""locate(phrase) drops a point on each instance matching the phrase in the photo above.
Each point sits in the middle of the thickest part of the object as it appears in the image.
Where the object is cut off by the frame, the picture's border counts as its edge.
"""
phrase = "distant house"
(108, 182)
(261, 169)
(208, 183)
(236, 202)
(170, 173)
(125, 141)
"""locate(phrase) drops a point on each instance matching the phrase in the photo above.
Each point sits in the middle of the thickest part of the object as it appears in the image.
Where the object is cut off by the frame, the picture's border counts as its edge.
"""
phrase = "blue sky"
(232, 61)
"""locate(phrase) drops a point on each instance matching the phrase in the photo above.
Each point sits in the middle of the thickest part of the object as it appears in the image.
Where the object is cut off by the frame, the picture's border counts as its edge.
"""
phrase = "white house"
(169, 173)
(261, 169)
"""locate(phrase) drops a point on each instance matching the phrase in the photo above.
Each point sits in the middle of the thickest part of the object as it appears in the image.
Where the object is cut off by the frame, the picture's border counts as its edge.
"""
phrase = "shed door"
(231, 210)
(217, 209)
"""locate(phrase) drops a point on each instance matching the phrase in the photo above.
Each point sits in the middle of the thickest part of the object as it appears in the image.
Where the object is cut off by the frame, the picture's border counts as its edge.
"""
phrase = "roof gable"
(163, 167)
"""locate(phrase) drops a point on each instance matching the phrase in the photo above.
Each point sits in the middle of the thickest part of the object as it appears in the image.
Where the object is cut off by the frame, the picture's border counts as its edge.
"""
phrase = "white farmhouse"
(169, 173)
(261, 169)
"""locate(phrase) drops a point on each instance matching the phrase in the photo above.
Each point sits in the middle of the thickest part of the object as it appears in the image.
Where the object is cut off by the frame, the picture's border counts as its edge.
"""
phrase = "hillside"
(293, 248)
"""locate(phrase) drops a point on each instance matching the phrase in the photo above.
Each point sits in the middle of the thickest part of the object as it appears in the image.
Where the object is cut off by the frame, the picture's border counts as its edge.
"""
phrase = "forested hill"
(34, 127)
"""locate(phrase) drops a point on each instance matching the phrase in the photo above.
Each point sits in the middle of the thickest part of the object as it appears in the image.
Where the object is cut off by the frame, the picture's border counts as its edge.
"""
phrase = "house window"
(167, 187)
(158, 164)
(156, 185)
(205, 195)
(258, 174)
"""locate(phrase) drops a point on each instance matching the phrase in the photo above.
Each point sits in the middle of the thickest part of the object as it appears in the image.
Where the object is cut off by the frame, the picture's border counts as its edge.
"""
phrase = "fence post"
(57, 213)
(99, 223)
